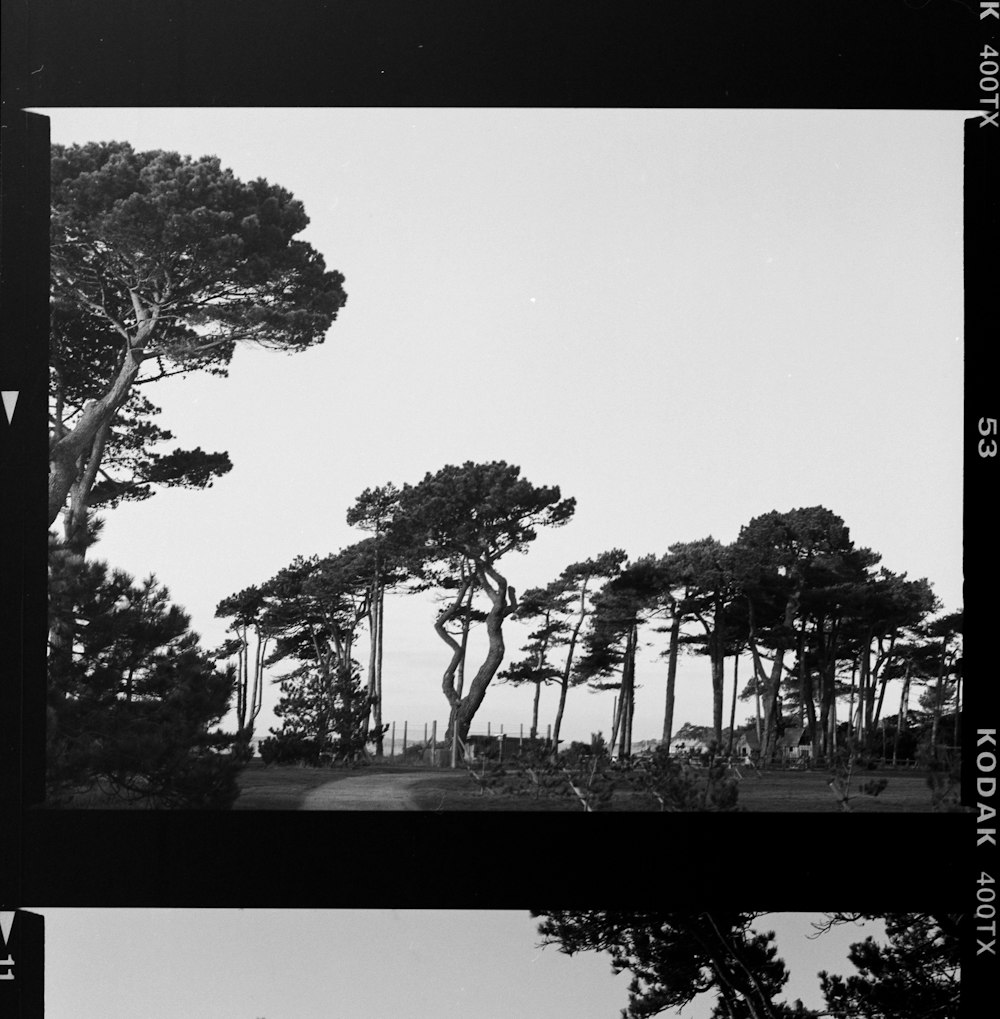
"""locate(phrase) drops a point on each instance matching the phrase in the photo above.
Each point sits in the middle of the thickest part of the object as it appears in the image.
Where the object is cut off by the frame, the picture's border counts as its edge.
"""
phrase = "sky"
(321, 964)
(683, 318)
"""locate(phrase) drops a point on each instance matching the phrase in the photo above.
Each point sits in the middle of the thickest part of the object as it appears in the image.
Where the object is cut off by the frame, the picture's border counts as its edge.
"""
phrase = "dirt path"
(364, 792)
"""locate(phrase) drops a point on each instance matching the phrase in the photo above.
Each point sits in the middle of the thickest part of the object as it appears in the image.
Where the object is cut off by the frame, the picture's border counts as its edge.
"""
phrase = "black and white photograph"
(526, 459)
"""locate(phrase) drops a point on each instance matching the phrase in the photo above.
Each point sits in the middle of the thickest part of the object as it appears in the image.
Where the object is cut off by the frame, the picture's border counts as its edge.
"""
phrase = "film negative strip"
(611, 57)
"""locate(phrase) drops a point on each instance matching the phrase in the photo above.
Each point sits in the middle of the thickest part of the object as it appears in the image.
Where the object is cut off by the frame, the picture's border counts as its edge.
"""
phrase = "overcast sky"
(341, 964)
(684, 318)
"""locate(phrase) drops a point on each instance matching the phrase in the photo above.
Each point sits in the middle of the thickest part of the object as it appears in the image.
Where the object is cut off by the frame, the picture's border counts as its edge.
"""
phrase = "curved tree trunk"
(503, 603)
(81, 447)
(448, 686)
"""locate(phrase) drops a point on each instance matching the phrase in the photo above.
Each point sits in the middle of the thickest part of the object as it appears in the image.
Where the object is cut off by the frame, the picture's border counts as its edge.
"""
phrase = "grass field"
(284, 787)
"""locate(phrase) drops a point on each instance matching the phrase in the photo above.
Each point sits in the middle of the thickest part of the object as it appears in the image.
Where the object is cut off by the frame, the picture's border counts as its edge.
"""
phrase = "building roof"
(794, 737)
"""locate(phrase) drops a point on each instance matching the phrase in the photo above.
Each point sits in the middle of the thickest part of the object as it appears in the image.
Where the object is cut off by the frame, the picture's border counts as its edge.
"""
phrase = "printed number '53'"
(987, 426)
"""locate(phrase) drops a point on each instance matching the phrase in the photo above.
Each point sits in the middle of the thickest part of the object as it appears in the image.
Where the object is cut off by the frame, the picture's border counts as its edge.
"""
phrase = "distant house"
(748, 745)
(794, 744)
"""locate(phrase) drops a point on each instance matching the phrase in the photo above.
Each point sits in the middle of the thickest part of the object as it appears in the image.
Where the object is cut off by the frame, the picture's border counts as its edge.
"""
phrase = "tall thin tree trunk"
(882, 683)
(568, 668)
(772, 682)
(616, 719)
(625, 705)
(718, 655)
(257, 700)
(939, 698)
(850, 706)
(833, 723)
(372, 649)
(732, 710)
(242, 684)
(904, 695)
(863, 665)
(870, 689)
(563, 690)
(807, 702)
(379, 724)
(828, 703)
(668, 713)
(631, 697)
(756, 698)
(717, 696)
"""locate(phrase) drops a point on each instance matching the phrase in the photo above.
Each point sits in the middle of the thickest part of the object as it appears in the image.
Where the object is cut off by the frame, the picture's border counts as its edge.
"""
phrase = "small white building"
(748, 746)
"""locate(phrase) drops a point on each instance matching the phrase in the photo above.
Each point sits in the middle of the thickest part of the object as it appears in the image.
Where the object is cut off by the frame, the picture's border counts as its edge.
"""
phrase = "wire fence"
(431, 742)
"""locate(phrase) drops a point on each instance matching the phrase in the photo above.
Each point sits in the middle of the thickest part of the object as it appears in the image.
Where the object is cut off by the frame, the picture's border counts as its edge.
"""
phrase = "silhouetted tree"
(373, 511)
(161, 264)
(467, 518)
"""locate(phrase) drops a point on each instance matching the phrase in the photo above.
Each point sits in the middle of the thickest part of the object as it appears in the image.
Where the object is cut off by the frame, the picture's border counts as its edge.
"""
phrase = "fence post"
(392, 746)
(404, 738)
(488, 733)
(425, 734)
(454, 742)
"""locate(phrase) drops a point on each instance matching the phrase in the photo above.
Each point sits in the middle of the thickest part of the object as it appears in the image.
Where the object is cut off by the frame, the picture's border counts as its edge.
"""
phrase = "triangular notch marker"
(9, 401)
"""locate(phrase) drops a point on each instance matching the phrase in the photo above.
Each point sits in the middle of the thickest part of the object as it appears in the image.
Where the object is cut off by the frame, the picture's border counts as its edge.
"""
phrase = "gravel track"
(364, 792)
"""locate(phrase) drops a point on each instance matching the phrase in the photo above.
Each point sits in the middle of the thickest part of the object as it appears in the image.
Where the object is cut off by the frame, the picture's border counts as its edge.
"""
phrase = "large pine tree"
(161, 265)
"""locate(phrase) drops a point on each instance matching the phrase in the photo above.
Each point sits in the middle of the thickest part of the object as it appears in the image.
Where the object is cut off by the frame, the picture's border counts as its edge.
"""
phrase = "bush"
(674, 785)
(586, 773)
(291, 748)
(132, 698)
